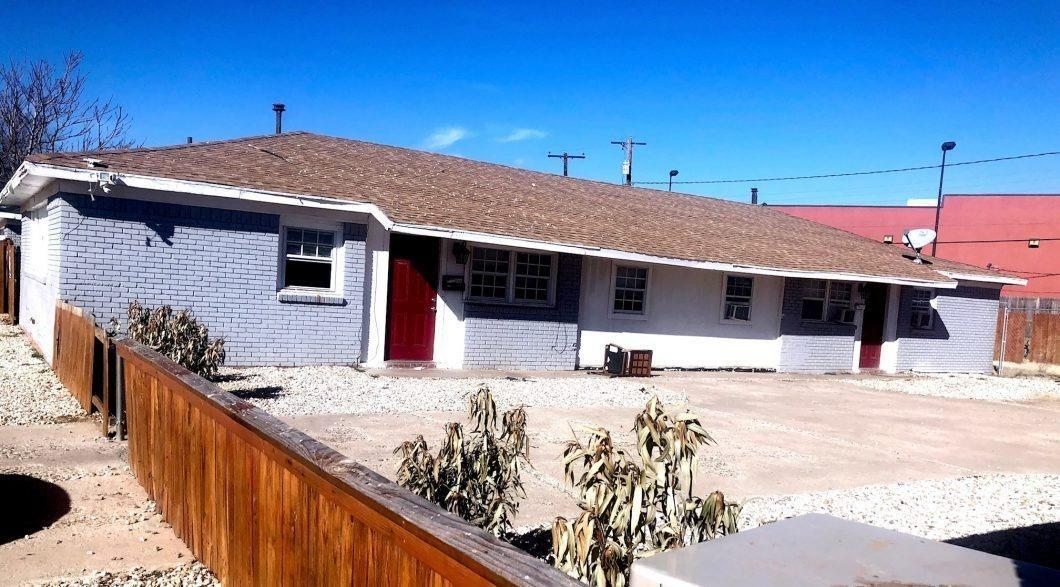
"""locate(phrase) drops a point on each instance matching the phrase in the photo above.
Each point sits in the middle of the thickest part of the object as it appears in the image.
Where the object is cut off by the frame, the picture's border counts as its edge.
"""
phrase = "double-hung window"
(516, 277)
(309, 258)
(841, 301)
(630, 292)
(828, 300)
(923, 315)
(814, 294)
(738, 290)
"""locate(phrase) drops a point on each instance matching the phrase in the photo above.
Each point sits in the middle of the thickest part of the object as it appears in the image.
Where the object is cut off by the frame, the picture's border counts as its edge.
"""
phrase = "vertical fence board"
(1045, 338)
(9, 279)
(262, 503)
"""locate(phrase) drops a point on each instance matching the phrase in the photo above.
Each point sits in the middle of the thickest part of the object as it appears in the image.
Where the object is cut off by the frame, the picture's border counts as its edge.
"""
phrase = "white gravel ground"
(194, 574)
(295, 391)
(29, 392)
(940, 509)
(983, 387)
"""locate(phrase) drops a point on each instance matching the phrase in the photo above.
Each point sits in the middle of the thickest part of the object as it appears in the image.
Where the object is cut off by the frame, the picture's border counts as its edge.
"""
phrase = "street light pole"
(673, 173)
(947, 146)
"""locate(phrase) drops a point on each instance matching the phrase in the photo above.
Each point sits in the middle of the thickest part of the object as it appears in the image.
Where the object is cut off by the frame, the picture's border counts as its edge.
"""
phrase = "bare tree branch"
(43, 110)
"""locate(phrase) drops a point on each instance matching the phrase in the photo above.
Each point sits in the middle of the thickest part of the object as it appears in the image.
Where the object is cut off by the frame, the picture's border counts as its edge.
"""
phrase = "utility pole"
(627, 166)
(565, 156)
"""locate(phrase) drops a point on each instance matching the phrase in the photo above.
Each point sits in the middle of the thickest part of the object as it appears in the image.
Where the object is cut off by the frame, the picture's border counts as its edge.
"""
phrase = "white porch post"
(889, 352)
(377, 273)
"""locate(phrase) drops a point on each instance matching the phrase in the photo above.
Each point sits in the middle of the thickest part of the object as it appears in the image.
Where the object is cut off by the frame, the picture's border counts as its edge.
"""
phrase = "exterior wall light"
(1034, 243)
(888, 239)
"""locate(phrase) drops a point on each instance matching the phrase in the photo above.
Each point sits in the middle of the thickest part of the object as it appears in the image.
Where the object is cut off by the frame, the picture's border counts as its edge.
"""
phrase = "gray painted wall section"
(812, 346)
(222, 264)
(525, 337)
(962, 335)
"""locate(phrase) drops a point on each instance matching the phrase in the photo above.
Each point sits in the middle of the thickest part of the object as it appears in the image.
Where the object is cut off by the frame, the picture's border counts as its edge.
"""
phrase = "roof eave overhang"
(21, 188)
(1002, 279)
(486, 238)
(30, 178)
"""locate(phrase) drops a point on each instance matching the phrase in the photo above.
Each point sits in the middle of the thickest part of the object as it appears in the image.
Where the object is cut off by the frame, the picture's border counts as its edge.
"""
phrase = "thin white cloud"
(445, 137)
(523, 134)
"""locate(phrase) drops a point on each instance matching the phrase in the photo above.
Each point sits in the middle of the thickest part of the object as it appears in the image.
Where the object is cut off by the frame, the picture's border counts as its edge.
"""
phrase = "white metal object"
(816, 549)
(918, 238)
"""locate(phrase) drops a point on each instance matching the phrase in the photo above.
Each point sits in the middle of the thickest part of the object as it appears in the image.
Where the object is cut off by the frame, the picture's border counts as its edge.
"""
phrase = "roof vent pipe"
(278, 109)
(754, 196)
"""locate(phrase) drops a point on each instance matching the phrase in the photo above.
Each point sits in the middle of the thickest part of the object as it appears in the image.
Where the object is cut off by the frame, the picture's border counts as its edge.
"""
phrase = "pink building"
(1016, 233)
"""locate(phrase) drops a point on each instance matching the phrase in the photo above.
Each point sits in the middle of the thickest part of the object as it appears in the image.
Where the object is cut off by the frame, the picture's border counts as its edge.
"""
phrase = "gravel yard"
(29, 392)
(939, 509)
(983, 387)
(295, 391)
(194, 575)
(1017, 516)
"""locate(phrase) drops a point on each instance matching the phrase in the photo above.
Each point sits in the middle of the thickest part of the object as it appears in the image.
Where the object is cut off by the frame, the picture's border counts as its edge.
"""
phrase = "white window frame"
(846, 305)
(823, 300)
(725, 299)
(643, 314)
(913, 310)
(827, 303)
(509, 297)
(337, 254)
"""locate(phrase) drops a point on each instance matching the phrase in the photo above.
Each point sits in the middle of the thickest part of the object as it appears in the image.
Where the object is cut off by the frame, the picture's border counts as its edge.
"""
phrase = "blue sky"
(716, 92)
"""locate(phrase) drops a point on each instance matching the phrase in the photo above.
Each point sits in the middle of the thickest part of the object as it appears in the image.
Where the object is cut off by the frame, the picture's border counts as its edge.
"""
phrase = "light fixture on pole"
(947, 146)
(673, 174)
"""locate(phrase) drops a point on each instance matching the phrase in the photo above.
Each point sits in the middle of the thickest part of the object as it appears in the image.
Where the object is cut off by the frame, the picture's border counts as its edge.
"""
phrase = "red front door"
(872, 325)
(412, 298)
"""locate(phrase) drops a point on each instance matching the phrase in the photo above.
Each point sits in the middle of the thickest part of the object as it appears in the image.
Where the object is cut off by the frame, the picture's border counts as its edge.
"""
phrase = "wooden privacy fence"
(83, 360)
(262, 503)
(9, 279)
(1028, 335)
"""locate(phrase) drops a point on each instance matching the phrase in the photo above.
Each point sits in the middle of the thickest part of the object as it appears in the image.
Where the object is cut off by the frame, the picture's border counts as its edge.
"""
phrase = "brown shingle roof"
(416, 187)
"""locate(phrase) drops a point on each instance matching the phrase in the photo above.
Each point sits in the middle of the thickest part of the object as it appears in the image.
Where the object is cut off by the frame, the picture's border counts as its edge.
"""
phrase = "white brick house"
(305, 249)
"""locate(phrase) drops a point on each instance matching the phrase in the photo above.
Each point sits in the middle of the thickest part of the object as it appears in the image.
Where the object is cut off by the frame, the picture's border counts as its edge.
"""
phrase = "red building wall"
(978, 229)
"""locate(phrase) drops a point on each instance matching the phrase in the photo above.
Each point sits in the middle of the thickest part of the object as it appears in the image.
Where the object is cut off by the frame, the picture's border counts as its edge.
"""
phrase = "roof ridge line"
(524, 170)
(173, 147)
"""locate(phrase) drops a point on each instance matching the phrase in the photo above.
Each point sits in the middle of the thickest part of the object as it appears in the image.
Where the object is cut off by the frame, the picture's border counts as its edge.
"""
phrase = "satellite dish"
(917, 239)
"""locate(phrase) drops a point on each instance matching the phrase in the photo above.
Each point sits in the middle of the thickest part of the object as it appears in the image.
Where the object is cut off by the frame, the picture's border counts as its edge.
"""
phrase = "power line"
(565, 156)
(853, 173)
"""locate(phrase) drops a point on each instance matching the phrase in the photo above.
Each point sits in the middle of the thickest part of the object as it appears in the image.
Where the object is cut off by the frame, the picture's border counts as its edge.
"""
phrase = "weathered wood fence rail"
(9, 279)
(82, 358)
(1028, 336)
(262, 503)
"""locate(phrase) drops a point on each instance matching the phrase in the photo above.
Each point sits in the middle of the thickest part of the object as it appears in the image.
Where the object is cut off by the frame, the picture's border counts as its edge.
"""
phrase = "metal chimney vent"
(278, 108)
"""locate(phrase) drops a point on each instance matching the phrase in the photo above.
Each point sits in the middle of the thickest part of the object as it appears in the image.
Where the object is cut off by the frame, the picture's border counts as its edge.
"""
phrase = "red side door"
(872, 325)
(412, 298)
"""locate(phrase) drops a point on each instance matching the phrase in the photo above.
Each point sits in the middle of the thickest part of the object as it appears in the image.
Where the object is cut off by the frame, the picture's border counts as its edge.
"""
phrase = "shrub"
(474, 475)
(177, 335)
(632, 510)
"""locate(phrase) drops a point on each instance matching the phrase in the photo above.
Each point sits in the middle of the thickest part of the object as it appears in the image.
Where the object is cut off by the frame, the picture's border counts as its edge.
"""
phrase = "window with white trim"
(738, 290)
(828, 300)
(922, 314)
(814, 293)
(516, 277)
(840, 301)
(629, 292)
(533, 277)
(309, 258)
